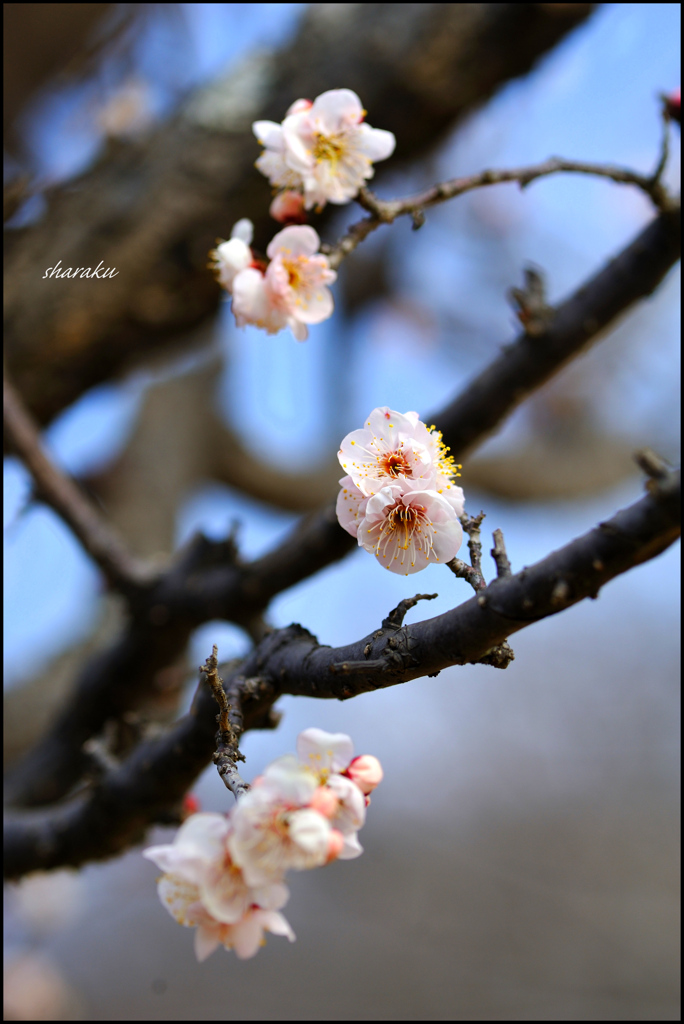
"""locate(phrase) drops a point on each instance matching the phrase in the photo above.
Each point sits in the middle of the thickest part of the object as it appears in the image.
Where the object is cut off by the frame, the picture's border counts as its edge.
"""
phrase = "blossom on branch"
(399, 498)
(323, 149)
(290, 290)
(202, 887)
(224, 874)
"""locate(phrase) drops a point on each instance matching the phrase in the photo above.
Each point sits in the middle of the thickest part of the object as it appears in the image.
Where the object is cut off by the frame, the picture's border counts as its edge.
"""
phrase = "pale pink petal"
(351, 813)
(296, 240)
(298, 328)
(375, 143)
(206, 941)
(336, 108)
(324, 751)
(316, 307)
(310, 831)
(270, 897)
(298, 106)
(352, 848)
(269, 134)
(351, 506)
(447, 541)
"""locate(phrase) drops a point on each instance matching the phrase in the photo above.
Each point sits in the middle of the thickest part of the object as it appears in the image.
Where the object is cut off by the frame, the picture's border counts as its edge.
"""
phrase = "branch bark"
(117, 810)
(208, 584)
(59, 491)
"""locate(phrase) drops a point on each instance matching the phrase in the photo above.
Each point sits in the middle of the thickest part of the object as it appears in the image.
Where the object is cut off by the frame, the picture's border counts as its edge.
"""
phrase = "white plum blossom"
(223, 874)
(183, 901)
(408, 529)
(296, 279)
(235, 255)
(399, 498)
(324, 148)
(290, 291)
(274, 827)
(396, 448)
(199, 857)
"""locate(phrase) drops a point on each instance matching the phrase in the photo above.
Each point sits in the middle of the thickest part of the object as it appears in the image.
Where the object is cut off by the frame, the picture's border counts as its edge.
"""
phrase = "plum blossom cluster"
(322, 152)
(224, 874)
(399, 498)
(290, 290)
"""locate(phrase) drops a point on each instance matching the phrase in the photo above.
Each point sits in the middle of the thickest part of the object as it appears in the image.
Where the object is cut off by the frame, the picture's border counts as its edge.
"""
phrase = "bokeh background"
(522, 855)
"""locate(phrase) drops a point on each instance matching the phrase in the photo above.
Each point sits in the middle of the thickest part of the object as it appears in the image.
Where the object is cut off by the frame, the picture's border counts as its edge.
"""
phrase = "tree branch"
(118, 678)
(386, 211)
(116, 811)
(99, 540)
(230, 727)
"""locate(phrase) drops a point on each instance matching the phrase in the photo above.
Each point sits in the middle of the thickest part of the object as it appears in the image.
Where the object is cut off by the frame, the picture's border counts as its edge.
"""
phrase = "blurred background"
(522, 861)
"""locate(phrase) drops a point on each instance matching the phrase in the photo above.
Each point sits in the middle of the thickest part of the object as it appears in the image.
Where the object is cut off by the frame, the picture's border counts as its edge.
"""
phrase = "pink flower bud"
(191, 805)
(335, 845)
(673, 105)
(288, 208)
(366, 772)
(325, 802)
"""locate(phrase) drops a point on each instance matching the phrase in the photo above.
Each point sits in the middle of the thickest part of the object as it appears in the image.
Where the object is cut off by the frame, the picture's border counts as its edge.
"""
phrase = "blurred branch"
(58, 491)
(206, 585)
(386, 211)
(153, 208)
(115, 812)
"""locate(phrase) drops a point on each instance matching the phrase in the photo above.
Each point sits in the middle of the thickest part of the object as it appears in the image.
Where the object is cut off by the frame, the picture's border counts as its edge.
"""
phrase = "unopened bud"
(288, 208)
(191, 805)
(366, 772)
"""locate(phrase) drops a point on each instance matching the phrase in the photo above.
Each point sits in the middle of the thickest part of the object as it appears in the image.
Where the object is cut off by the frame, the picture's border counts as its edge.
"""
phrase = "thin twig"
(230, 726)
(471, 525)
(467, 572)
(386, 211)
(126, 573)
(498, 553)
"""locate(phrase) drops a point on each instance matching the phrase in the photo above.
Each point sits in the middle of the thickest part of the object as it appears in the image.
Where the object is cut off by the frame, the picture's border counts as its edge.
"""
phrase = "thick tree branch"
(99, 540)
(116, 811)
(119, 677)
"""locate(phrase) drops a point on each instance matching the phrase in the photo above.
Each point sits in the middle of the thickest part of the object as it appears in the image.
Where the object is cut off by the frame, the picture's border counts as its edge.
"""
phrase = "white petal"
(375, 143)
(327, 751)
(206, 941)
(317, 307)
(269, 134)
(351, 504)
(298, 328)
(296, 240)
(352, 848)
(447, 540)
(244, 230)
(336, 108)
